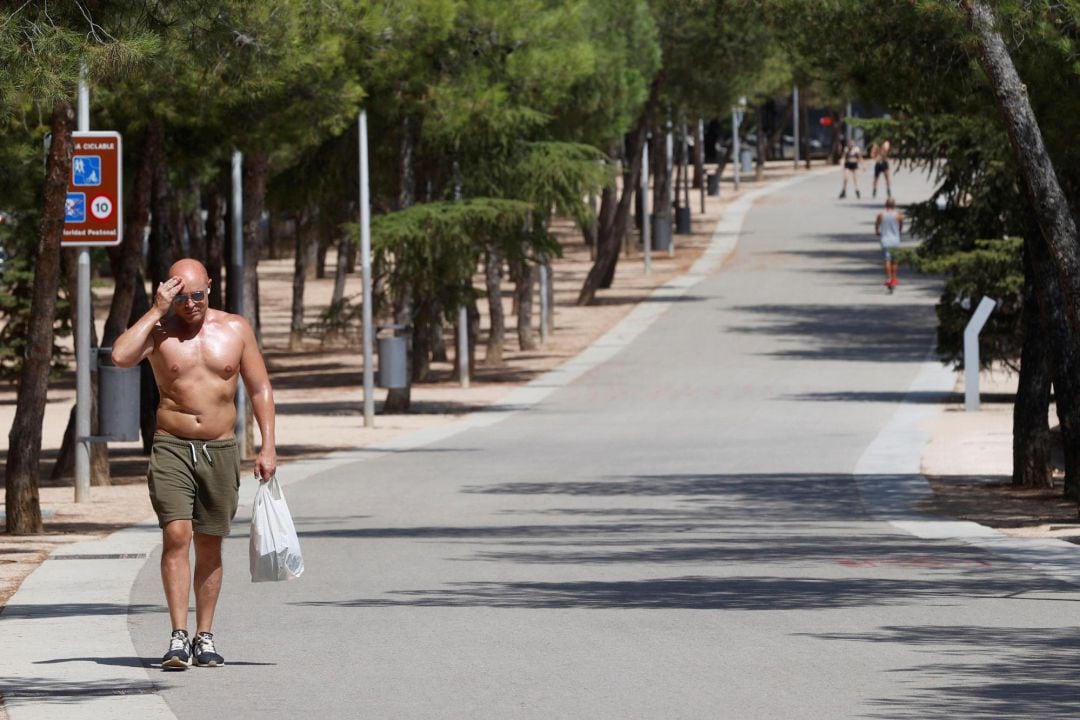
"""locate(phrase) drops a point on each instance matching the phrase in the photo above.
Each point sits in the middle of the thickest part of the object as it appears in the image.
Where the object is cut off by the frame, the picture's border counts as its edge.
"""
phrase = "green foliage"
(992, 268)
(17, 283)
(432, 249)
(44, 46)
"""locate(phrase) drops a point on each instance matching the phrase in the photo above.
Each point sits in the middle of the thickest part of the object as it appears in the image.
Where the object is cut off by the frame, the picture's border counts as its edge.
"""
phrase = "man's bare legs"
(176, 574)
(176, 571)
(207, 580)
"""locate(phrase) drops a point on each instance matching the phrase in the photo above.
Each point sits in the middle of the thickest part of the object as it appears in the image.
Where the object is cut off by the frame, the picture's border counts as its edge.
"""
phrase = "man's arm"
(257, 381)
(900, 222)
(877, 225)
(137, 342)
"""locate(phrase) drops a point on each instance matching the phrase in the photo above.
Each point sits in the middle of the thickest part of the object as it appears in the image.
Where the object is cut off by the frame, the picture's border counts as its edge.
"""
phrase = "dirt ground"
(318, 392)
(968, 462)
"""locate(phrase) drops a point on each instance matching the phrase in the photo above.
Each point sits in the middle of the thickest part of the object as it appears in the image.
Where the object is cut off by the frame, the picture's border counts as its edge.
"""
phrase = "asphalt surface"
(679, 533)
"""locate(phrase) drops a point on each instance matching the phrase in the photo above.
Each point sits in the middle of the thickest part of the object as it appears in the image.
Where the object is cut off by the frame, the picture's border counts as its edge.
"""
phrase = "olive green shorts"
(197, 480)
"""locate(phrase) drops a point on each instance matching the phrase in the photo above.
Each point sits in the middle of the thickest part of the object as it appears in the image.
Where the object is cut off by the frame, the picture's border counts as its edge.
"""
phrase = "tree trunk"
(661, 173)
(177, 201)
(304, 237)
(1055, 219)
(777, 136)
(400, 399)
(215, 245)
(320, 257)
(759, 175)
(193, 223)
(340, 269)
(126, 259)
(697, 156)
(493, 357)
(160, 256)
(1031, 430)
(256, 173)
(550, 296)
(523, 277)
(438, 349)
(423, 319)
(23, 507)
(804, 132)
(588, 230)
(615, 217)
(1066, 371)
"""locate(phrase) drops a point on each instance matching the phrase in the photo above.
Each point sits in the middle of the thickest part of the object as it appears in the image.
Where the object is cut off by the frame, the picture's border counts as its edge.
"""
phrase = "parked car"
(816, 148)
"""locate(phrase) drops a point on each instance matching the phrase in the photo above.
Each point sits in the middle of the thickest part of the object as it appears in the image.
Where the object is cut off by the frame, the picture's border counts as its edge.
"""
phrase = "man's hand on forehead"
(168, 290)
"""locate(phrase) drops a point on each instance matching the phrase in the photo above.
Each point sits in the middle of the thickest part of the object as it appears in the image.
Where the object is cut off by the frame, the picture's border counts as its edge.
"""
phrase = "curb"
(888, 476)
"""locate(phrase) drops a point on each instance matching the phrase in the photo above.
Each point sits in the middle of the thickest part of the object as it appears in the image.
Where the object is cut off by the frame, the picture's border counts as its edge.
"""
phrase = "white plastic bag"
(274, 547)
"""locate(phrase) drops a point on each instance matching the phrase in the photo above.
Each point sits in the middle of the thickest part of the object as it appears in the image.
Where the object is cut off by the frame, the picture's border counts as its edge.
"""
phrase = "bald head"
(191, 271)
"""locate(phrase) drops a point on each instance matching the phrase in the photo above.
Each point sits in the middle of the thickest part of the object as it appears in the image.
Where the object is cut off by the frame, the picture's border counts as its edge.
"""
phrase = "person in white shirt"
(888, 227)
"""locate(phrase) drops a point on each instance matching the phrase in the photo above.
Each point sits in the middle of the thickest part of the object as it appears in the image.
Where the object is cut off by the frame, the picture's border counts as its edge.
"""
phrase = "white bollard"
(971, 352)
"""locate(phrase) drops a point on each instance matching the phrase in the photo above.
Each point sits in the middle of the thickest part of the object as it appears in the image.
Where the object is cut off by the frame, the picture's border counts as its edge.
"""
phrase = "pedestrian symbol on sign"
(75, 208)
(86, 170)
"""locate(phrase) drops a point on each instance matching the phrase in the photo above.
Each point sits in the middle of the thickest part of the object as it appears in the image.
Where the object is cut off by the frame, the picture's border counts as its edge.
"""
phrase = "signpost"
(93, 213)
(93, 216)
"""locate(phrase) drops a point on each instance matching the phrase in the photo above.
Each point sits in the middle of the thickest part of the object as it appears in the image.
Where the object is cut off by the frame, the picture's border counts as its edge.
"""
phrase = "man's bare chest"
(212, 353)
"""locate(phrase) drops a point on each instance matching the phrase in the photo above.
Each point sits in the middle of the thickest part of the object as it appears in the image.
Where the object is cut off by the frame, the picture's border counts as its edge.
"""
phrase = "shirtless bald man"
(197, 354)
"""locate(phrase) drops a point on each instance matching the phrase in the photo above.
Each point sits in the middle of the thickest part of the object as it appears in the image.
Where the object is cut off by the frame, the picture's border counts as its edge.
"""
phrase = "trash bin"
(746, 159)
(118, 399)
(661, 232)
(682, 221)
(393, 343)
(713, 184)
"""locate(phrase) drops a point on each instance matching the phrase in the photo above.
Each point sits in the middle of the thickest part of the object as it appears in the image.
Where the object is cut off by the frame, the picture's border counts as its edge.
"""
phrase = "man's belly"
(213, 425)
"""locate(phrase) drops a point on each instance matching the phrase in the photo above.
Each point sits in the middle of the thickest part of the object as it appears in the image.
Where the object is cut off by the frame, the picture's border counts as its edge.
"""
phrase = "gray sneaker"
(179, 655)
(205, 653)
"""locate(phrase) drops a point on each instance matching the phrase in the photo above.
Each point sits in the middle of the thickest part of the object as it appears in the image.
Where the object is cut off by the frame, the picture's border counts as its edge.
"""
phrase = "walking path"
(706, 513)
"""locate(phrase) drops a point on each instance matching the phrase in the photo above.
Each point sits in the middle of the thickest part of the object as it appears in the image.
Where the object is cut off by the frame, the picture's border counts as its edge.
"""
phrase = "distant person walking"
(881, 167)
(198, 355)
(889, 226)
(852, 163)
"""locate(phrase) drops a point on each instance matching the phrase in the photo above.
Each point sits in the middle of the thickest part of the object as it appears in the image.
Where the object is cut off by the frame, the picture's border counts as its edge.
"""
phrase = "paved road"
(677, 534)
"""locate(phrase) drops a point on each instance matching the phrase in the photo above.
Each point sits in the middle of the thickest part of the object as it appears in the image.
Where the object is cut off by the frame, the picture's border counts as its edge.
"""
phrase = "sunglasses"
(197, 296)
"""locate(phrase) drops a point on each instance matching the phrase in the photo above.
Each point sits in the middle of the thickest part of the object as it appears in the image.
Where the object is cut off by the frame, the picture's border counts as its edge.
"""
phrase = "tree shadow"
(761, 593)
(896, 332)
(981, 671)
(782, 497)
(62, 609)
(61, 692)
(920, 397)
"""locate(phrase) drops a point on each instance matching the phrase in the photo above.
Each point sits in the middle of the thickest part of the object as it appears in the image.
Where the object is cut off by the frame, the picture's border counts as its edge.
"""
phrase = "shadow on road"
(869, 333)
(981, 672)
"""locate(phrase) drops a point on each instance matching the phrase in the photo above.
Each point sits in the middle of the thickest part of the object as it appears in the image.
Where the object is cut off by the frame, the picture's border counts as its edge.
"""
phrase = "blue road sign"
(75, 208)
(86, 170)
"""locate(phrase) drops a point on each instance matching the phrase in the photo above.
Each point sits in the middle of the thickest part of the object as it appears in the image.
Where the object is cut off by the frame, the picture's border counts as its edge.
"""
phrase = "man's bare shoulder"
(229, 321)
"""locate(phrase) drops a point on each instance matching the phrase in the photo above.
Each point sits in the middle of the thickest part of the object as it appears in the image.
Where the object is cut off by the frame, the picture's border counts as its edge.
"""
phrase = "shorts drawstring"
(195, 456)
